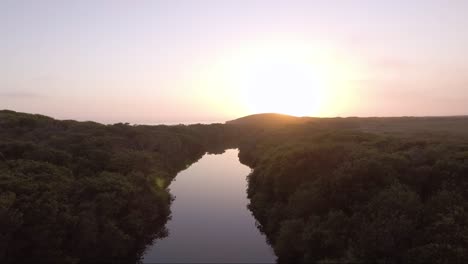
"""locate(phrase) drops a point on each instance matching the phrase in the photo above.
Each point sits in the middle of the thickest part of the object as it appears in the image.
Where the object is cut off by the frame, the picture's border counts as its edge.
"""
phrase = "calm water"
(210, 220)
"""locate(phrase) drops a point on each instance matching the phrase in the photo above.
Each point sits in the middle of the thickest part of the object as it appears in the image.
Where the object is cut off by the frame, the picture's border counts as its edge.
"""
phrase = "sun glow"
(281, 82)
(289, 78)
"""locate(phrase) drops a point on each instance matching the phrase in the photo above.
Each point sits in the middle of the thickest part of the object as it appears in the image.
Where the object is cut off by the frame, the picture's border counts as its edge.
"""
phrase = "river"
(210, 220)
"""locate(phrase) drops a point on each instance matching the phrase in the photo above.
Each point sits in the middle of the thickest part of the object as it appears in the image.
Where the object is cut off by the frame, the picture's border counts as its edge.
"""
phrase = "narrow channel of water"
(210, 220)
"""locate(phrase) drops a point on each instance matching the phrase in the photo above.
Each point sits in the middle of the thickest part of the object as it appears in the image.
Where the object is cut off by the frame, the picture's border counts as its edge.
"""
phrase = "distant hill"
(454, 125)
(269, 119)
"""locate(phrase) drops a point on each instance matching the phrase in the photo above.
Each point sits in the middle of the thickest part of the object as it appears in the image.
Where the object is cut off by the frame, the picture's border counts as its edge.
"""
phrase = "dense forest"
(82, 192)
(387, 190)
(378, 190)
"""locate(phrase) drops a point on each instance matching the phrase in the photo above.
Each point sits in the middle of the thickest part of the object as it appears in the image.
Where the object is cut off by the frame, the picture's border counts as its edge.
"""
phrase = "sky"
(213, 60)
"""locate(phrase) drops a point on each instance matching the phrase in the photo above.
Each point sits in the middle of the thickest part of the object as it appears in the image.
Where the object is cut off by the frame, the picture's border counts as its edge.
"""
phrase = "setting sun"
(291, 78)
(279, 82)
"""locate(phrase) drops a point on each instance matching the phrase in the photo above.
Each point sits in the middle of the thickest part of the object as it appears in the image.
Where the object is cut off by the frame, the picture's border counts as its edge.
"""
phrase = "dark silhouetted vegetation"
(386, 190)
(82, 192)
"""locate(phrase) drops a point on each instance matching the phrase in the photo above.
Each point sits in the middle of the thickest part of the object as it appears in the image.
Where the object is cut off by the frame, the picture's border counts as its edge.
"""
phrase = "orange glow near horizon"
(289, 78)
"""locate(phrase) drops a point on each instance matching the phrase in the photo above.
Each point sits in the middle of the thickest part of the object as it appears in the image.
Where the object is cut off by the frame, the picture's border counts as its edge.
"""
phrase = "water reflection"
(210, 221)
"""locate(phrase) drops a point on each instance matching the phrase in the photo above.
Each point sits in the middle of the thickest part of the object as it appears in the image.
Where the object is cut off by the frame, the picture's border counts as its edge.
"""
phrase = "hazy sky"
(173, 61)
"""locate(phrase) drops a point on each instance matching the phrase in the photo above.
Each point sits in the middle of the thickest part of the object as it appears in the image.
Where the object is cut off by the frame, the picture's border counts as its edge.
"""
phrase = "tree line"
(83, 192)
(332, 192)
(322, 190)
